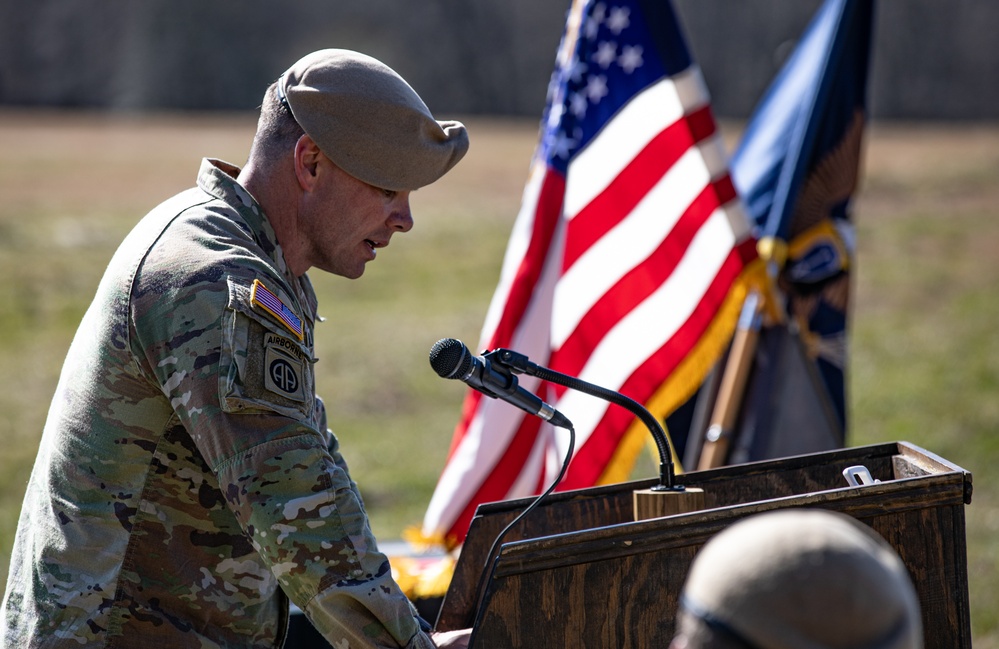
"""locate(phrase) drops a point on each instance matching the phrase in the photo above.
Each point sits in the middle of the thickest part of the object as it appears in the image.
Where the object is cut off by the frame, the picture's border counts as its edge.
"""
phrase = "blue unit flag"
(797, 169)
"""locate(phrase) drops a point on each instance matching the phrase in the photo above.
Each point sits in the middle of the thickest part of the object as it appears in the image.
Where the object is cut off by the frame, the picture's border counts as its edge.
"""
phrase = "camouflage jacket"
(186, 485)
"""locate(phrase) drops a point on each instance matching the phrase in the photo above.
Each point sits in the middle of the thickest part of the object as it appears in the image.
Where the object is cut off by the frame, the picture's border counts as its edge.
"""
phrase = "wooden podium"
(579, 571)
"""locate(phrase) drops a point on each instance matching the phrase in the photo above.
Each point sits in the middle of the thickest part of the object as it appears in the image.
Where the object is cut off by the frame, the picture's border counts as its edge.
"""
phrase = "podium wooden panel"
(580, 572)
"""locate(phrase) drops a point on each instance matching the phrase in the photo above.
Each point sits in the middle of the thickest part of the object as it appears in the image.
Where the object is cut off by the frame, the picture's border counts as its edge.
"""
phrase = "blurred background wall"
(932, 59)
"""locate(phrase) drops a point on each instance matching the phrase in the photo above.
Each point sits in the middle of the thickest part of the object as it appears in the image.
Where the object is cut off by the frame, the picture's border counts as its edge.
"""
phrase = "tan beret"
(369, 121)
(805, 579)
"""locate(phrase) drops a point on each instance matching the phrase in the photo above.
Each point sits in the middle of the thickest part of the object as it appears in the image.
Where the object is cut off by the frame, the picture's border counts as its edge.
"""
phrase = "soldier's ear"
(307, 156)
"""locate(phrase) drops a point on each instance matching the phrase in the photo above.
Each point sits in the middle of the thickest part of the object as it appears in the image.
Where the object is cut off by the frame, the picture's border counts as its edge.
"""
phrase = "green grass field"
(924, 356)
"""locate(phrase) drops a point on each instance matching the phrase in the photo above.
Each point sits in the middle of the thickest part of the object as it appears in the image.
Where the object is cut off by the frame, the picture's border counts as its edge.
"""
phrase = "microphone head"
(450, 358)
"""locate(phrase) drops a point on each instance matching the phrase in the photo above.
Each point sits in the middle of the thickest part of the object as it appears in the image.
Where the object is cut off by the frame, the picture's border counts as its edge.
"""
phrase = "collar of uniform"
(218, 178)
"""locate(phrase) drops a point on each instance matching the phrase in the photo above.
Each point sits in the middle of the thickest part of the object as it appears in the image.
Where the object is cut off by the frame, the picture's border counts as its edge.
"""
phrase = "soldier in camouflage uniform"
(186, 486)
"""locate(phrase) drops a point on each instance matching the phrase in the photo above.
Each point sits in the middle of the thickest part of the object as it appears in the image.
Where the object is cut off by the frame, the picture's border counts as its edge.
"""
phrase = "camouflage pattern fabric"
(186, 485)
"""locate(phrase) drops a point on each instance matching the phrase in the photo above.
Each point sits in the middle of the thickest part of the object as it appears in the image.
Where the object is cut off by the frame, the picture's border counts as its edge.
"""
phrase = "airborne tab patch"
(262, 297)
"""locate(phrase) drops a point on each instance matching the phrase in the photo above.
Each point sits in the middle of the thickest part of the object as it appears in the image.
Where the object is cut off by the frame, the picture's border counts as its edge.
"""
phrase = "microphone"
(451, 359)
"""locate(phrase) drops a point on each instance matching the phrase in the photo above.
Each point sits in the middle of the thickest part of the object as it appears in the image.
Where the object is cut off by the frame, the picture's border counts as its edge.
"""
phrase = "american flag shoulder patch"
(263, 297)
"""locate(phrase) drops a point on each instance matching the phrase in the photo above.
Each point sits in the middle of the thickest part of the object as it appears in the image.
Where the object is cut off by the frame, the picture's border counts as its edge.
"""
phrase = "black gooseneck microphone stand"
(517, 363)
(520, 364)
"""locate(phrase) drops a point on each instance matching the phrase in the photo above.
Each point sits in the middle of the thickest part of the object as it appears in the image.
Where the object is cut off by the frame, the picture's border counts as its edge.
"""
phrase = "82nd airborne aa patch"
(284, 367)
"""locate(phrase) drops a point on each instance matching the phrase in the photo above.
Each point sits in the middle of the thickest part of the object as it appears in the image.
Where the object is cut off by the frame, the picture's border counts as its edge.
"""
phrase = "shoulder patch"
(263, 298)
(283, 372)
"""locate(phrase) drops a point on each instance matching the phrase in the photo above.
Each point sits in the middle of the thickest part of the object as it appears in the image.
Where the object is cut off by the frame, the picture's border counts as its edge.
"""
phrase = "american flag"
(624, 267)
(263, 297)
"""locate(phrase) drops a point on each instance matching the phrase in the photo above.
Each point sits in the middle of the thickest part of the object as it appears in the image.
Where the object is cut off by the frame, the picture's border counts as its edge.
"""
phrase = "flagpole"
(728, 402)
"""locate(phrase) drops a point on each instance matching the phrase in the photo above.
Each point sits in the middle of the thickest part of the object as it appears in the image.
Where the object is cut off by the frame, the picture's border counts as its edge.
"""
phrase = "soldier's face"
(345, 221)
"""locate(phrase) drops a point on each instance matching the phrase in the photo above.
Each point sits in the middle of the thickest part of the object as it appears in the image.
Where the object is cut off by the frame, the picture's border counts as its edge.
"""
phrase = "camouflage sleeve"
(333, 446)
(277, 467)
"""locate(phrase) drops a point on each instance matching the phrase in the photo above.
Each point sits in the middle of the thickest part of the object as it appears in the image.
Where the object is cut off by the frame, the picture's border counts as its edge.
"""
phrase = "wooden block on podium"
(656, 503)
(580, 571)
